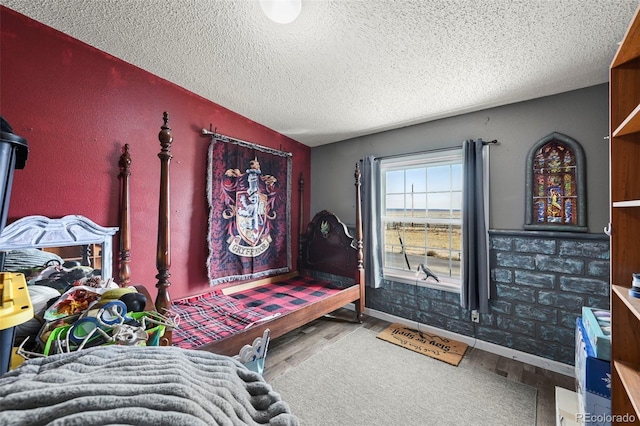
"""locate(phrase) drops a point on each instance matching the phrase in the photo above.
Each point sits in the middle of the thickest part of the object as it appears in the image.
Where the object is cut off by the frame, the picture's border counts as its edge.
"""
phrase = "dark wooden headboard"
(328, 247)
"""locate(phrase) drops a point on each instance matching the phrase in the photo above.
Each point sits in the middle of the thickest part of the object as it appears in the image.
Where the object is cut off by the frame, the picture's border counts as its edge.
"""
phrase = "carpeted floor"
(364, 381)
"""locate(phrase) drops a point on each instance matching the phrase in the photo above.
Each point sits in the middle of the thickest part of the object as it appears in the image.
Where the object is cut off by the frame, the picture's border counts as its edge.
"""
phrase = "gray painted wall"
(581, 114)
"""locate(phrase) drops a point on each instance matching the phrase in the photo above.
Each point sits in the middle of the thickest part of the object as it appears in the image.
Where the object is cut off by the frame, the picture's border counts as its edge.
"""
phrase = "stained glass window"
(555, 183)
(555, 174)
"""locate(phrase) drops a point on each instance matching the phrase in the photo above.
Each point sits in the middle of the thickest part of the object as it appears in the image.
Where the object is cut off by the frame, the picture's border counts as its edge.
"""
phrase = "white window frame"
(430, 159)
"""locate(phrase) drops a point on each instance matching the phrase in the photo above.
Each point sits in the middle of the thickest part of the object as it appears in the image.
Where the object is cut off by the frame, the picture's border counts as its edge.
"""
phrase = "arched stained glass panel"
(555, 172)
(555, 185)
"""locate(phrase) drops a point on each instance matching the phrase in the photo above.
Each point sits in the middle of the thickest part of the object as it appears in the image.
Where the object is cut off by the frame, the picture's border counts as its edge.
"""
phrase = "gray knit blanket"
(134, 385)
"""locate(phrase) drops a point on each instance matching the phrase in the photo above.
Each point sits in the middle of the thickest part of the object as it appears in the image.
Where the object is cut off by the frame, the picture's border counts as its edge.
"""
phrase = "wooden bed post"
(360, 269)
(124, 270)
(301, 190)
(301, 229)
(163, 253)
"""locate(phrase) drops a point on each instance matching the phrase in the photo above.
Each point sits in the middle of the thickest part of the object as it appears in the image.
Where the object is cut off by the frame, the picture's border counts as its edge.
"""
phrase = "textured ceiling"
(353, 67)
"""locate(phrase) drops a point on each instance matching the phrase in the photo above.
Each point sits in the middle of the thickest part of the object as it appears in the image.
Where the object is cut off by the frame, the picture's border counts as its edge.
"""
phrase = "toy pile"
(88, 313)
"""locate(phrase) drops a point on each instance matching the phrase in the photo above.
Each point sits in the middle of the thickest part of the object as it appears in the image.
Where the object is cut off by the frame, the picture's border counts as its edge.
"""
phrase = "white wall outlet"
(475, 316)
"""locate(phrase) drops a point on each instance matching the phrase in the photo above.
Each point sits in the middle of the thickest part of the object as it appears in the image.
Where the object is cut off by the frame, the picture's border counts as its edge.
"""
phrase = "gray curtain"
(475, 254)
(371, 225)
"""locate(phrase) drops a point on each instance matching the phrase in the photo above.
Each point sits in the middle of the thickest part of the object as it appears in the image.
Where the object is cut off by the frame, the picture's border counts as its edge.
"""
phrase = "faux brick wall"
(539, 282)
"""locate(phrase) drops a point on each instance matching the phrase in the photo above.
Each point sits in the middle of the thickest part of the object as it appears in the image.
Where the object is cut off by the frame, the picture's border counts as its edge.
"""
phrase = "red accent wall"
(77, 106)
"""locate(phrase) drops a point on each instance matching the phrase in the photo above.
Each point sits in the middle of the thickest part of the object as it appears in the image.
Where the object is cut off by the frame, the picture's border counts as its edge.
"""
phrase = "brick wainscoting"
(539, 282)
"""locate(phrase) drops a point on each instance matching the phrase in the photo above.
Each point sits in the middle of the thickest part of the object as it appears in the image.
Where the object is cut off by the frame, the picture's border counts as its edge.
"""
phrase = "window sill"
(445, 284)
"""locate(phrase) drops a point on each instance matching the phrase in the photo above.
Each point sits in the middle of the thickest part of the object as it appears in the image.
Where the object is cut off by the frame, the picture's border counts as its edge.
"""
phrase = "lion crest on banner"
(249, 209)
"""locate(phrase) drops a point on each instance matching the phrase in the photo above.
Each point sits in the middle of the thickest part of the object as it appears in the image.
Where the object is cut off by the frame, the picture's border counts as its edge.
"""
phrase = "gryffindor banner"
(249, 214)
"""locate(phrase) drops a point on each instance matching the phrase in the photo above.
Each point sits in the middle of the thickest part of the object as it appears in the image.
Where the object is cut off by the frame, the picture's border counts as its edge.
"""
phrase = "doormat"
(432, 345)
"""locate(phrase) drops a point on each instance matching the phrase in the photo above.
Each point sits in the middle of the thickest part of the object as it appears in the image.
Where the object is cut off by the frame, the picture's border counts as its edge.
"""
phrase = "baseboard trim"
(535, 360)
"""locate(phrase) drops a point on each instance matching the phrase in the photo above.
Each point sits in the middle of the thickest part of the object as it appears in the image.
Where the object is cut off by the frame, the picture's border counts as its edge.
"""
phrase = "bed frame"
(325, 246)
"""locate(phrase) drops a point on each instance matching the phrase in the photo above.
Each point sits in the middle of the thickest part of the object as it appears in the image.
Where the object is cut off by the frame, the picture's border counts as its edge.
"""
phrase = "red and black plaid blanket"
(213, 316)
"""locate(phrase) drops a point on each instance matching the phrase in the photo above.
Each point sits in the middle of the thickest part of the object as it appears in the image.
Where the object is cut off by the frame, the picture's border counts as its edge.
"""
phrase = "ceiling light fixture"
(281, 11)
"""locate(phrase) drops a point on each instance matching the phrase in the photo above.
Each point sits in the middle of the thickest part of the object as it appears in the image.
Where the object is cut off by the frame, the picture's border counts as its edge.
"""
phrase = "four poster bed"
(182, 381)
(124, 381)
(223, 321)
(191, 380)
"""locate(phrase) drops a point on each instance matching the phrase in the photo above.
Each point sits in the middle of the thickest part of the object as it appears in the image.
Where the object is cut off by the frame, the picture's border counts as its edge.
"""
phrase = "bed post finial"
(163, 253)
(165, 137)
(124, 270)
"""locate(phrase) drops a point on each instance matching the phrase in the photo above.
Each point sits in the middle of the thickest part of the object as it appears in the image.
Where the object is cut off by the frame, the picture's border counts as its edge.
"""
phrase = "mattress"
(212, 316)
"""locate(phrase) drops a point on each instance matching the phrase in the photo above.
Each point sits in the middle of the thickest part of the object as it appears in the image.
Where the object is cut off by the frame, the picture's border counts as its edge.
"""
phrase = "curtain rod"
(495, 141)
(215, 135)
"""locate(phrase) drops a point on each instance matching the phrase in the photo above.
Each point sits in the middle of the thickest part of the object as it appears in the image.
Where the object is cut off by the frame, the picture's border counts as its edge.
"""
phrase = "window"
(421, 200)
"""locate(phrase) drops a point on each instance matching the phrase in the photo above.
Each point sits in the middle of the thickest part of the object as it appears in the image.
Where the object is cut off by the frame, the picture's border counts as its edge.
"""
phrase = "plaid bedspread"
(213, 316)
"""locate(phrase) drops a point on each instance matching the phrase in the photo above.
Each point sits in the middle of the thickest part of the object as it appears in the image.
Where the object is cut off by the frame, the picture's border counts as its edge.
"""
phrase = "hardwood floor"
(298, 345)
